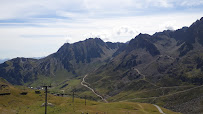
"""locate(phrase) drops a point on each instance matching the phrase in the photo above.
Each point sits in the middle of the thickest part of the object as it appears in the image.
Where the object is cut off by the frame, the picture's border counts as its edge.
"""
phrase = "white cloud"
(157, 3)
(125, 31)
(28, 8)
(191, 3)
(170, 24)
(22, 9)
(113, 33)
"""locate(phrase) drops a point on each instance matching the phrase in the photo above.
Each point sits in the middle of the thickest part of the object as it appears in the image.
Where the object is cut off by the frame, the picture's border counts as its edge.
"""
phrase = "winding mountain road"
(83, 84)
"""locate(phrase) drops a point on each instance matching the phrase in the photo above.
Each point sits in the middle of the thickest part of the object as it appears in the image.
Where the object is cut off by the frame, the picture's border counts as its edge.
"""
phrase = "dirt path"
(144, 77)
(161, 111)
(142, 108)
(140, 73)
(83, 84)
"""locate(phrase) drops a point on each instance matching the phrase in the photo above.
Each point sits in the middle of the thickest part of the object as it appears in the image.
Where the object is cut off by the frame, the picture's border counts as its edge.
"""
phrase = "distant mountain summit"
(142, 41)
(84, 51)
(71, 60)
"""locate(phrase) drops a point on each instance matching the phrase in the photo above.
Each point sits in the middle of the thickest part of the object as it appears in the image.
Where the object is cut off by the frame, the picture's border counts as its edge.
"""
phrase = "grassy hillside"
(31, 104)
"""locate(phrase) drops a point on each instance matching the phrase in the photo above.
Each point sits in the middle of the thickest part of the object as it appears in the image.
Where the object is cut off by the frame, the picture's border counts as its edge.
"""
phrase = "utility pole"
(73, 95)
(46, 98)
(85, 100)
(73, 99)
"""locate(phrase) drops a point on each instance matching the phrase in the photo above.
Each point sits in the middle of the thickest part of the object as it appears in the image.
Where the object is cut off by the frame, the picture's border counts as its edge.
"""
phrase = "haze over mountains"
(3, 60)
(167, 62)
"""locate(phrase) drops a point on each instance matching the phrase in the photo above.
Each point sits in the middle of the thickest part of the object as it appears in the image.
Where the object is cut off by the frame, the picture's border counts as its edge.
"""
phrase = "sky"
(37, 28)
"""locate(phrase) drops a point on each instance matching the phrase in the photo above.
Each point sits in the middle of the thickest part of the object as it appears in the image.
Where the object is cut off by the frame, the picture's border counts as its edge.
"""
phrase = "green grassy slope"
(31, 104)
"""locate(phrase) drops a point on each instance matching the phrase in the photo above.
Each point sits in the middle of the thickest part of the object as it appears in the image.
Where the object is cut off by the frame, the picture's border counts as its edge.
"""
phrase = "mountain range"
(165, 68)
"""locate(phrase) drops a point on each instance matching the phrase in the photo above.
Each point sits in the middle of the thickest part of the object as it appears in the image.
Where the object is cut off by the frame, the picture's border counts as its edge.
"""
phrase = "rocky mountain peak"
(143, 41)
(95, 40)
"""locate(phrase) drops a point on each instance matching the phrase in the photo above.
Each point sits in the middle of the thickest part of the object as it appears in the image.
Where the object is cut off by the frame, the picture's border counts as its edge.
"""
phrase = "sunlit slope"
(31, 104)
